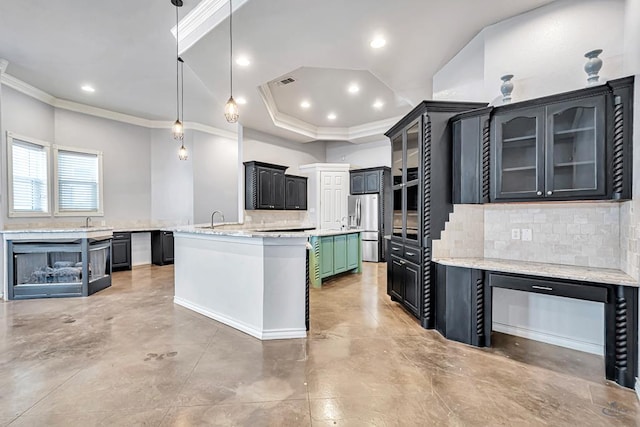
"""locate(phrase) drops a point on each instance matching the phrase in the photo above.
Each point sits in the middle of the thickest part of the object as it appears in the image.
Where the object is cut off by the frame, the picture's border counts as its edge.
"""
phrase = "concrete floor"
(128, 356)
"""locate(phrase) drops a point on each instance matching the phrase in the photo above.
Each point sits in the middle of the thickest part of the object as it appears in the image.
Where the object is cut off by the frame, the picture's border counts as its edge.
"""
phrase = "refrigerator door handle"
(359, 212)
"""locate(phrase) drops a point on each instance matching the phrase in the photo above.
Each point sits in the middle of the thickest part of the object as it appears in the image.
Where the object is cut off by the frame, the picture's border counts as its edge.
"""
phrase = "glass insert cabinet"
(60, 268)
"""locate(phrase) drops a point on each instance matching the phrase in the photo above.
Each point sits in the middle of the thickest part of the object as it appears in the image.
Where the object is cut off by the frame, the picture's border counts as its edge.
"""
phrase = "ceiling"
(126, 50)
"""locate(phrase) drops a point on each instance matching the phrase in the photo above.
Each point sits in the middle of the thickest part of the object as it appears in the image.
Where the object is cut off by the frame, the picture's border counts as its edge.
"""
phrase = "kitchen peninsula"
(254, 280)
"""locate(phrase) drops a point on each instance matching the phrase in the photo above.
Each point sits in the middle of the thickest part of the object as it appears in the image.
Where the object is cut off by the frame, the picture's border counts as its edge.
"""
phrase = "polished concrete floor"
(129, 356)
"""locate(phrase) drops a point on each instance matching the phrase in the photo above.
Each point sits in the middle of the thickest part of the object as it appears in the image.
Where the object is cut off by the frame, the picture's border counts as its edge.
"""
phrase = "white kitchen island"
(254, 281)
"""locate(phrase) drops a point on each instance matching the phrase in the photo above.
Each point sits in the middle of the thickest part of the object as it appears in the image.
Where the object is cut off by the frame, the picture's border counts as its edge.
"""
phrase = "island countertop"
(246, 230)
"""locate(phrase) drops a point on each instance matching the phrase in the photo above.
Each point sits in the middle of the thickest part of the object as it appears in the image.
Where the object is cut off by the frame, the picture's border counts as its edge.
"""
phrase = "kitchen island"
(253, 280)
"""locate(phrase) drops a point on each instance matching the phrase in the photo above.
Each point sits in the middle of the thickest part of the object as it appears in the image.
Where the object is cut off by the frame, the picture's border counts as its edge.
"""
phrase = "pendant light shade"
(231, 112)
(178, 128)
(182, 152)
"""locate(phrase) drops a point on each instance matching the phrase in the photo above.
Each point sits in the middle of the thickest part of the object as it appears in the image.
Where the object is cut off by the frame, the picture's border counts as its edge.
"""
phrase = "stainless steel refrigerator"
(364, 213)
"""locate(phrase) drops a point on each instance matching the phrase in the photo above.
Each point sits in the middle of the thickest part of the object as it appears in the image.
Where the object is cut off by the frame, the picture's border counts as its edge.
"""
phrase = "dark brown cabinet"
(571, 146)
(295, 192)
(421, 179)
(121, 251)
(264, 186)
(162, 247)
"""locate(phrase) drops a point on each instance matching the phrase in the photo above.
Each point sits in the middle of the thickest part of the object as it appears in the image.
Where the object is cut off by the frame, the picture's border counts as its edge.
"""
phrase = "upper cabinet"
(366, 181)
(295, 192)
(570, 146)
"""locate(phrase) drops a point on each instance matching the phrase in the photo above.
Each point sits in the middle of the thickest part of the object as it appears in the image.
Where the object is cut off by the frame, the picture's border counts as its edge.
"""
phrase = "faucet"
(213, 214)
(87, 222)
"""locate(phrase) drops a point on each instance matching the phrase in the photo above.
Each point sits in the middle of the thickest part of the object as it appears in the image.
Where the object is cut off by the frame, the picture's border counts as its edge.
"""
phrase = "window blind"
(78, 182)
(30, 183)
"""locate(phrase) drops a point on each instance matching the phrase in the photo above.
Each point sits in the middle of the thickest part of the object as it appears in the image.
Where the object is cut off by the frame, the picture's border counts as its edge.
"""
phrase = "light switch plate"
(527, 235)
(515, 234)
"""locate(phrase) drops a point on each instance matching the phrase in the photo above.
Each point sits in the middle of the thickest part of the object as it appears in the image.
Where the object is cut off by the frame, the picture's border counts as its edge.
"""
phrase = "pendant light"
(178, 128)
(231, 108)
(182, 152)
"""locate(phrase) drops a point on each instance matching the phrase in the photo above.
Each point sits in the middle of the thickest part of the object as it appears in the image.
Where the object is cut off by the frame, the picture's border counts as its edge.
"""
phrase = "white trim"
(47, 148)
(269, 334)
(562, 341)
(56, 209)
(637, 388)
(203, 18)
(321, 133)
(64, 104)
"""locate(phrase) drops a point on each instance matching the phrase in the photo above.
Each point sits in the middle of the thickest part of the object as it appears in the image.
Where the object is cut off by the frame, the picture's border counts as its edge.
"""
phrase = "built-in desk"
(463, 289)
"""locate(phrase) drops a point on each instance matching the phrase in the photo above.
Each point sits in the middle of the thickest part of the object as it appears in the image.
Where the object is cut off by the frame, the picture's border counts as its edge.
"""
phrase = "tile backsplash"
(463, 235)
(276, 218)
(584, 234)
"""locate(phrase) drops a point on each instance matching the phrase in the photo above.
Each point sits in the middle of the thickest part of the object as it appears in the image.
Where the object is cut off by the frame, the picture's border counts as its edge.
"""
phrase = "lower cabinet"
(162, 247)
(333, 255)
(121, 251)
(405, 284)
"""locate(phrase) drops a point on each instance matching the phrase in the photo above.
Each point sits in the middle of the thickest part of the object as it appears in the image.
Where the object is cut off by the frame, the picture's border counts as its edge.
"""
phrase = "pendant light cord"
(230, 50)
(181, 88)
(177, 69)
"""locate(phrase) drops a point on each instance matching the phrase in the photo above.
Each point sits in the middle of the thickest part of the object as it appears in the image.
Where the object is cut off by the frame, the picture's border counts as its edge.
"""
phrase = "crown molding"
(203, 18)
(40, 95)
(322, 133)
(3, 65)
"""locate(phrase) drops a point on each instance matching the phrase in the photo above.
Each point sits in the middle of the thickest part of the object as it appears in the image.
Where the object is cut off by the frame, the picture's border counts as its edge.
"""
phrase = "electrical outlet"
(515, 234)
(527, 235)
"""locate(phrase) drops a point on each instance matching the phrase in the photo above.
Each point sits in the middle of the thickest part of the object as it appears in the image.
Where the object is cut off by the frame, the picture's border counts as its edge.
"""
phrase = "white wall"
(377, 153)
(126, 164)
(171, 179)
(272, 149)
(215, 177)
(544, 49)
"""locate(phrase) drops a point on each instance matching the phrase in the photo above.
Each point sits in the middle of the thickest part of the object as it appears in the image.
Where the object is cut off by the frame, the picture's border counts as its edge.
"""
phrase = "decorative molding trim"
(561, 341)
(40, 95)
(293, 124)
(3, 65)
(203, 18)
(266, 334)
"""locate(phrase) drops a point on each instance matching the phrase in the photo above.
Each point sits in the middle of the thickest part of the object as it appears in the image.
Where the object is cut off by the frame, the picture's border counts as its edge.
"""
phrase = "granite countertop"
(248, 230)
(558, 271)
(58, 230)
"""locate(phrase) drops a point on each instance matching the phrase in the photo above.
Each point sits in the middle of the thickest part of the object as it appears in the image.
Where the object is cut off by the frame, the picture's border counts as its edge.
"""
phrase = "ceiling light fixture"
(331, 116)
(231, 112)
(177, 129)
(241, 100)
(182, 152)
(88, 88)
(378, 104)
(353, 88)
(305, 104)
(243, 61)
(378, 42)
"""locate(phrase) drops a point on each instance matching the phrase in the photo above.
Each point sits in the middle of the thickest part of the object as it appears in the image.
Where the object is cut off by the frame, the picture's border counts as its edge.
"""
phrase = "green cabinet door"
(339, 253)
(353, 248)
(326, 256)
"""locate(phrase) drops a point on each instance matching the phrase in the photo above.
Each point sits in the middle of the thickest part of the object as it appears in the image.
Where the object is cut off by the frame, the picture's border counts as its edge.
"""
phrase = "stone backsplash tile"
(586, 234)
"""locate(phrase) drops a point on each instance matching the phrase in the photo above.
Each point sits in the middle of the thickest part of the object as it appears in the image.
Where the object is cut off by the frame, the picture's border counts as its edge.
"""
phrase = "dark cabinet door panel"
(412, 287)
(397, 278)
(371, 182)
(357, 183)
(278, 190)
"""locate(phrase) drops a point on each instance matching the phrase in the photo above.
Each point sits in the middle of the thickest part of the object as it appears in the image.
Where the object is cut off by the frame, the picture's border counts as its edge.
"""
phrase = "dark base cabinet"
(404, 277)
(121, 251)
(162, 247)
(464, 303)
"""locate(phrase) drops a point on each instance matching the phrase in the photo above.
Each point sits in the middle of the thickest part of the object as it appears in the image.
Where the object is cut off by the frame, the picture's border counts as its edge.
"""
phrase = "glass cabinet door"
(575, 146)
(396, 175)
(412, 184)
(519, 154)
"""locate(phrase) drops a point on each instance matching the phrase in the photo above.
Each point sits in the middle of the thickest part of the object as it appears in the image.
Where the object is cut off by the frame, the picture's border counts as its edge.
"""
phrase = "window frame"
(56, 190)
(12, 213)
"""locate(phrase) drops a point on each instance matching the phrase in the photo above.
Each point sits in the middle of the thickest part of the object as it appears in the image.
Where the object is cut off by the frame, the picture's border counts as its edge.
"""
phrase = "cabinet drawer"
(396, 249)
(412, 254)
(550, 287)
(121, 236)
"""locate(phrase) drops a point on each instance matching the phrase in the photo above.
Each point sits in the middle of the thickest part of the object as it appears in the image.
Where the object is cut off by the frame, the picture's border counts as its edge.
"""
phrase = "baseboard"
(560, 341)
(267, 334)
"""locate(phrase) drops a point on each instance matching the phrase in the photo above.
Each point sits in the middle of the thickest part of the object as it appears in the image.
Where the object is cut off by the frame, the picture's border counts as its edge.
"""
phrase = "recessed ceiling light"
(378, 42)
(378, 104)
(353, 88)
(331, 116)
(305, 104)
(243, 61)
(88, 88)
(241, 100)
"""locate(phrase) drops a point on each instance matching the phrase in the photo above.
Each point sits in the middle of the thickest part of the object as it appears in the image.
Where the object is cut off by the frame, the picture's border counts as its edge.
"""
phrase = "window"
(28, 168)
(78, 177)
